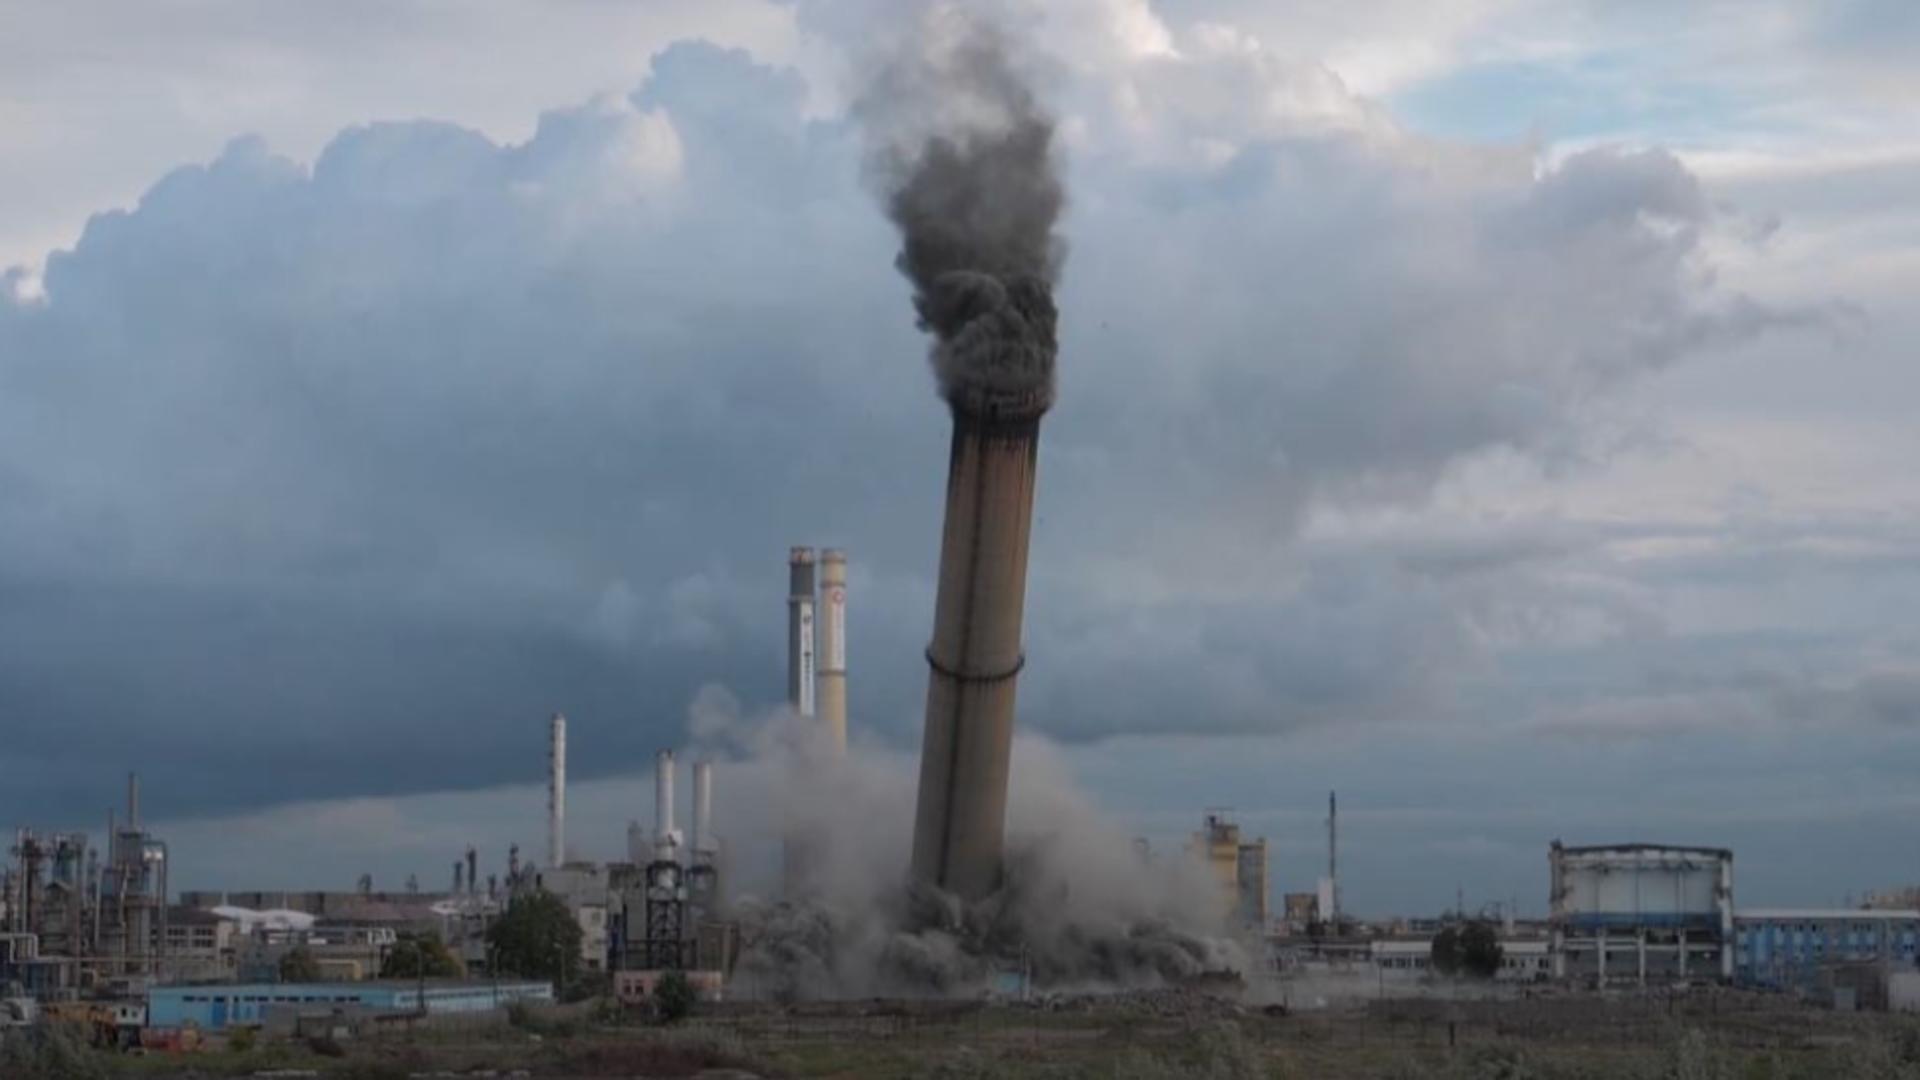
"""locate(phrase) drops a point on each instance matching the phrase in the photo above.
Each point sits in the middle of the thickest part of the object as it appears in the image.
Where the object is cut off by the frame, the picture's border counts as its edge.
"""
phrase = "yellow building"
(1237, 867)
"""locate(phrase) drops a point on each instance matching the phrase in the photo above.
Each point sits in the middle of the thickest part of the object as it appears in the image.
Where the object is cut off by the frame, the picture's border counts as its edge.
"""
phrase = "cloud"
(334, 479)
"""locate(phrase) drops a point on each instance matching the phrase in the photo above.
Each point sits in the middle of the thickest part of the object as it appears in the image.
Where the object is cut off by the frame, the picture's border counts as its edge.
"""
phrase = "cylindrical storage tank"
(831, 680)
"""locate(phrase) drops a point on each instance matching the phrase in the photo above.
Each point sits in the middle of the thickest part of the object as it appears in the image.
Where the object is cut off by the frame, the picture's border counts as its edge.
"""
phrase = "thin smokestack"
(703, 808)
(965, 155)
(832, 676)
(557, 791)
(1333, 855)
(666, 838)
(800, 673)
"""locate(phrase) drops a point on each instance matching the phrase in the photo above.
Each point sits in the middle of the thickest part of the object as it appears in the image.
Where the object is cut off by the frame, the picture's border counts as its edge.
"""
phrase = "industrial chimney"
(666, 838)
(702, 810)
(800, 630)
(832, 676)
(557, 792)
(975, 657)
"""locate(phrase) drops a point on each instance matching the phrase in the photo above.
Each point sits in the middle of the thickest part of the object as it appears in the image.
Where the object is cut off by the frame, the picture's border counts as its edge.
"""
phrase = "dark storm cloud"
(332, 481)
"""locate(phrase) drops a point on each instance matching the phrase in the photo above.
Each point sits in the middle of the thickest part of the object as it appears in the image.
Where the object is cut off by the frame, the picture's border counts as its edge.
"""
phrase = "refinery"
(94, 922)
(1315, 545)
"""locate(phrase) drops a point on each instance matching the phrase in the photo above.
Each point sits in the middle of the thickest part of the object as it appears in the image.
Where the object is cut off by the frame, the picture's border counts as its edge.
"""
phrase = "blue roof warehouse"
(212, 1008)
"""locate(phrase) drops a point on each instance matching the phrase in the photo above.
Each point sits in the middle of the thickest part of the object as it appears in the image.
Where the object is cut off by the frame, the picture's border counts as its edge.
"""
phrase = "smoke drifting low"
(1080, 910)
(963, 153)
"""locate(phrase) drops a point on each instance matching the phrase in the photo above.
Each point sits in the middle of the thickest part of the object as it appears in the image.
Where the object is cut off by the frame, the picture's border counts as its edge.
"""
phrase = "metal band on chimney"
(976, 677)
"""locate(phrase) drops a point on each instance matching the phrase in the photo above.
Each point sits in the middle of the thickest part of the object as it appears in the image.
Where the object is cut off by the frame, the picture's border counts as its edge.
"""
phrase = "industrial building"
(1522, 959)
(216, 1007)
(1789, 948)
(1237, 868)
(71, 922)
(1635, 913)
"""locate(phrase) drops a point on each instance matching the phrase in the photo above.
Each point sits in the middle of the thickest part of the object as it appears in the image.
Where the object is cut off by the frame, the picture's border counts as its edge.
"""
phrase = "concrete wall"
(1903, 991)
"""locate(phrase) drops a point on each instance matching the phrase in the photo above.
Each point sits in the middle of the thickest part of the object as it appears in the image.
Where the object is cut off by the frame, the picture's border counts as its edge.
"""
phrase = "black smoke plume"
(964, 154)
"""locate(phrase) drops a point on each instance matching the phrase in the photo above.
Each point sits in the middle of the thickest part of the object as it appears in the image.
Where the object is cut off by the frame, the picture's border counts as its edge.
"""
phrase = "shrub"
(673, 999)
(50, 1050)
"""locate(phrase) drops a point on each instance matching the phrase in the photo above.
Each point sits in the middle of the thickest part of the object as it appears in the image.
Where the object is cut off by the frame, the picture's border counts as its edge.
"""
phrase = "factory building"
(1237, 867)
(1522, 959)
(1634, 913)
(71, 921)
(216, 1007)
(585, 889)
(1789, 948)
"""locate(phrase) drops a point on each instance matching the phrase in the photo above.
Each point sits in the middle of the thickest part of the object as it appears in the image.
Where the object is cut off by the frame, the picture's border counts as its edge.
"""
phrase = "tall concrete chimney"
(800, 630)
(473, 869)
(832, 676)
(666, 838)
(975, 657)
(557, 791)
(702, 809)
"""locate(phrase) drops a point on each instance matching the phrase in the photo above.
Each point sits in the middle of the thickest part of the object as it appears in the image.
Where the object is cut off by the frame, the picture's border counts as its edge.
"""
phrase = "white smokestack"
(666, 838)
(831, 675)
(557, 792)
(800, 632)
(702, 808)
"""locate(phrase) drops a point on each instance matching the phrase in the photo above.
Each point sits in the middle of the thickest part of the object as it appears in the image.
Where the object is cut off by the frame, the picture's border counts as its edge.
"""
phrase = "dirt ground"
(1700, 1036)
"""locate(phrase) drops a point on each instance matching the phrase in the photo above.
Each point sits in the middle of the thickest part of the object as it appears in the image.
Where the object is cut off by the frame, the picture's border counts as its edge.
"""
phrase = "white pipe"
(557, 792)
(702, 807)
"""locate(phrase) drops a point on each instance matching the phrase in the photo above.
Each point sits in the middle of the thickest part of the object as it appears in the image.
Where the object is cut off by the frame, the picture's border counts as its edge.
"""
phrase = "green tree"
(1472, 949)
(298, 964)
(674, 997)
(537, 938)
(421, 956)
(1445, 957)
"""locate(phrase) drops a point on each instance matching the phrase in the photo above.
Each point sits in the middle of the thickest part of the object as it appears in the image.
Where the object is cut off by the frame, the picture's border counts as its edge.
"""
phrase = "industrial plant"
(100, 924)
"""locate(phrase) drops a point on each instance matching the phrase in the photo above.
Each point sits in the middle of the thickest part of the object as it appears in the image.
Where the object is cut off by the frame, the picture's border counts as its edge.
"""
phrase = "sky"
(1498, 411)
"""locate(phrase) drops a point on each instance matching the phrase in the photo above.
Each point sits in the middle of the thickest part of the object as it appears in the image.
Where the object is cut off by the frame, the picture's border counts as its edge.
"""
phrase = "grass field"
(1703, 1037)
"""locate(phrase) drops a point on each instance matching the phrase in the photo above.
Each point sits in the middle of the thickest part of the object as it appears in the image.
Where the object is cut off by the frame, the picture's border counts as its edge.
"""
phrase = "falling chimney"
(800, 630)
(459, 882)
(975, 656)
(832, 675)
(557, 791)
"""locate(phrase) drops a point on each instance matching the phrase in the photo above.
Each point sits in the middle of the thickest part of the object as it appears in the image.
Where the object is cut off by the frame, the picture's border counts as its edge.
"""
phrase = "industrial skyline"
(343, 442)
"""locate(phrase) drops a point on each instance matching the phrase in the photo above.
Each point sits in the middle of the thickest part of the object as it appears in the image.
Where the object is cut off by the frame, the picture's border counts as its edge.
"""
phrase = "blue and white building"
(212, 1008)
(1787, 947)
